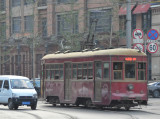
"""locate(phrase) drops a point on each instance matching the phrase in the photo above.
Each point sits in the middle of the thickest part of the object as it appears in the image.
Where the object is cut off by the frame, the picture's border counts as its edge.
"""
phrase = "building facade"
(29, 29)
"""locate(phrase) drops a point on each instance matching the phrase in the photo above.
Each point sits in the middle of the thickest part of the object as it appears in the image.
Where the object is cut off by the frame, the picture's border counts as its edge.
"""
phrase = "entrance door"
(97, 81)
(67, 81)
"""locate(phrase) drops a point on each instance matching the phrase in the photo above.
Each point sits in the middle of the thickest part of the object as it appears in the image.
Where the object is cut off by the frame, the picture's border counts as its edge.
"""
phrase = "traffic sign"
(153, 34)
(137, 34)
(137, 40)
(152, 47)
(139, 46)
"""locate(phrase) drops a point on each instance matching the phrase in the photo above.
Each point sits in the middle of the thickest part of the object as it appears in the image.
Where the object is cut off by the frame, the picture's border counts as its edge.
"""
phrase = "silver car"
(154, 89)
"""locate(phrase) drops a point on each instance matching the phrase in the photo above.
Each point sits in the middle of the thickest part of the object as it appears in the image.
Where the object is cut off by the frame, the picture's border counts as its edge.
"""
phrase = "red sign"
(137, 34)
(139, 46)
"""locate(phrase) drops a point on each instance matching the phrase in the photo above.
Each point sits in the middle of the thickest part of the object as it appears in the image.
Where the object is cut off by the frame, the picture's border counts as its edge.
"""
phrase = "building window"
(122, 25)
(146, 21)
(103, 18)
(16, 24)
(2, 5)
(27, 2)
(28, 20)
(2, 30)
(44, 27)
(16, 3)
(67, 23)
(66, 1)
(133, 21)
(42, 3)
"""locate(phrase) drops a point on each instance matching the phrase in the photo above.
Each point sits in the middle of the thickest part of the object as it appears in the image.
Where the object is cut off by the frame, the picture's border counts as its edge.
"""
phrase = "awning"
(142, 8)
(123, 10)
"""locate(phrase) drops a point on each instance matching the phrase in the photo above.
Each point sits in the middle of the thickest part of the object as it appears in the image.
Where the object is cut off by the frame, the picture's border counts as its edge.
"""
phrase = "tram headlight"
(130, 87)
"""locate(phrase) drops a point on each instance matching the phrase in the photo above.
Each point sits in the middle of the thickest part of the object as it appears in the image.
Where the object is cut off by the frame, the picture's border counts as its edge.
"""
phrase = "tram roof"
(112, 52)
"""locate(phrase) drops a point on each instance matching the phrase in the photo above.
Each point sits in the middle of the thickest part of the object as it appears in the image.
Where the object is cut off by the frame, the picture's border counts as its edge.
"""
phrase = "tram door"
(67, 81)
(97, 81)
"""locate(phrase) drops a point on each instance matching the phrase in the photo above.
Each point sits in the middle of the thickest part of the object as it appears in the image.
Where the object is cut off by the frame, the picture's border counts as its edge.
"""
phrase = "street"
(47, 111)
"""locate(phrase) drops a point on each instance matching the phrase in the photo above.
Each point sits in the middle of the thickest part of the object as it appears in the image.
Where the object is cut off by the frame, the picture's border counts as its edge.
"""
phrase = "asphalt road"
(47, 111)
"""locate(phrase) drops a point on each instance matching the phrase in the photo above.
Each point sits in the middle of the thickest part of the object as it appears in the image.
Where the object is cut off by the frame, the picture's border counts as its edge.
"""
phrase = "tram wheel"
(62, 104)
(88, 103)
(127, 108)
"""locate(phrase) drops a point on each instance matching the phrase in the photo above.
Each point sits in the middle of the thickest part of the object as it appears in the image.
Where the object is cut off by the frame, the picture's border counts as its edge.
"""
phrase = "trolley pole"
(128, 26)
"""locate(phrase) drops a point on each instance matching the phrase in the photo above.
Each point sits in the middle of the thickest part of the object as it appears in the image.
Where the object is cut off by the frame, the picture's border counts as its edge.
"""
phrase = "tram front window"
(130, 70)
(117, 69)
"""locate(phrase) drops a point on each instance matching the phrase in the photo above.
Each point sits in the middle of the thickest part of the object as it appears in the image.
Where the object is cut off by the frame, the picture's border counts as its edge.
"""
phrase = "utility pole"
(128, 26)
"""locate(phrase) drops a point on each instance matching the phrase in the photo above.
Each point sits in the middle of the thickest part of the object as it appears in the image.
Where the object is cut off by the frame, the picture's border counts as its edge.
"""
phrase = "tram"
(104, 78)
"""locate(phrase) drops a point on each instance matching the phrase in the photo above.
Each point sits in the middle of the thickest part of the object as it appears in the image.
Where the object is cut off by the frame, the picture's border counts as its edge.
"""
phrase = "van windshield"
(21, 84)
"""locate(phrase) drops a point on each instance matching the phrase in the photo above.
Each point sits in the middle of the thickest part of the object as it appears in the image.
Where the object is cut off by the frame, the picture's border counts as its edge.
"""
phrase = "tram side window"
(129, 70)
(58, 72)
(98, 70)
(141, 71)
(85, 71)
(47, 71)
(61, 72)
(52, 71)
(90, 70)
(74, 73)
(79, 71)
(117, 70)
(106, 70)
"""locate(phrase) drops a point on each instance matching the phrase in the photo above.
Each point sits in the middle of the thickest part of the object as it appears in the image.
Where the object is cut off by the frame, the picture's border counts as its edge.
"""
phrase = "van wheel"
(16, 107)
(33, 107)
(10, 104)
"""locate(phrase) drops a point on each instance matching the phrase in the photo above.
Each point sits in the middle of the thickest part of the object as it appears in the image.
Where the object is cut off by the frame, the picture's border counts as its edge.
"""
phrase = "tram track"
(132, 114)
(68, 116)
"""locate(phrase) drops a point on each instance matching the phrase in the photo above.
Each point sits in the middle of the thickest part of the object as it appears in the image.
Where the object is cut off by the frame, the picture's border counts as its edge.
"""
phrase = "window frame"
(16, 3)
(103, 74)
(100, 28)
(67, 23)
(125, 74)
(143, 70)
(118, 70)
(66, 1)
(2, 5)
(28, 23)
(16, 24)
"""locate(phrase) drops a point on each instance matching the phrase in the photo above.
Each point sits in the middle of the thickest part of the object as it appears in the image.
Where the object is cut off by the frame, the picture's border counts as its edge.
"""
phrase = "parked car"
(37, 86)
(154, 89)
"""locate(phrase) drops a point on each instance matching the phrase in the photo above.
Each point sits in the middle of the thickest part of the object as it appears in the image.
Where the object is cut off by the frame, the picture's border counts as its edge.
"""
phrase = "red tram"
(104, 78)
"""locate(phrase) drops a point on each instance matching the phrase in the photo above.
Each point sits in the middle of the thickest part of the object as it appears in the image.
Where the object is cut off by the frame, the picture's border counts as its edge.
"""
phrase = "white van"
(17, 91)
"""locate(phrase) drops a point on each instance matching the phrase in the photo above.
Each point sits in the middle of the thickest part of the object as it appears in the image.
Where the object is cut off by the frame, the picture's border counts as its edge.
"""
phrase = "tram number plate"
(25, 103)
